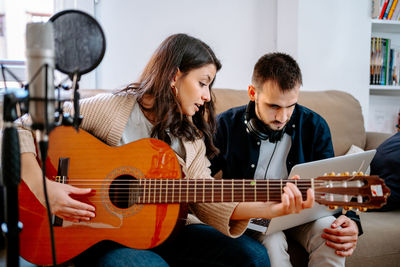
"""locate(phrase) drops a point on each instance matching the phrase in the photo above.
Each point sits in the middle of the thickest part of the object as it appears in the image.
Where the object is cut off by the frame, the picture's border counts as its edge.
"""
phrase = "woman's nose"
(206, 97)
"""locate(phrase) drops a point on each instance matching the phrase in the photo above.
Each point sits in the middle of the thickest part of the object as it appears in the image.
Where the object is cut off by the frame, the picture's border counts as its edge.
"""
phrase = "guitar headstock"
(356, 191)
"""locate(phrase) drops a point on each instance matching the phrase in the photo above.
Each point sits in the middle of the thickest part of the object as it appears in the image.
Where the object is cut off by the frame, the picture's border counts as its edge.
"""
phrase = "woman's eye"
(202, 84)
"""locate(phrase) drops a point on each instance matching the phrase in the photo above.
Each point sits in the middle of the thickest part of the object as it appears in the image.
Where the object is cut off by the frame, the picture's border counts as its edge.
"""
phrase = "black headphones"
(258, 129)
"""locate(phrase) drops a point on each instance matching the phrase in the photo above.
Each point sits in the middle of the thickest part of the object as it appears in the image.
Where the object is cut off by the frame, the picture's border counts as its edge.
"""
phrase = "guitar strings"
(198, 182)
(190, 199)
(163, 190)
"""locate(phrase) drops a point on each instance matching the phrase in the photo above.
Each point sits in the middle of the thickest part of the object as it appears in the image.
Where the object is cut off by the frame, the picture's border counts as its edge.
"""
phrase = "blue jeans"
(202, 245)
(110, 254)
(194, 245)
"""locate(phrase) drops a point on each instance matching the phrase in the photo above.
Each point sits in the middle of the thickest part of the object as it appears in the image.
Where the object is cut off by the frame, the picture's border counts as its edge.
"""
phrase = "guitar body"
(93, 164)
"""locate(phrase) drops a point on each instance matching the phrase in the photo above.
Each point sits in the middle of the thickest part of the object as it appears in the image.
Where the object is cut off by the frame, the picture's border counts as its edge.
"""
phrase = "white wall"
(238, 31)
(331, 41)
(329, 38)
(384, 112)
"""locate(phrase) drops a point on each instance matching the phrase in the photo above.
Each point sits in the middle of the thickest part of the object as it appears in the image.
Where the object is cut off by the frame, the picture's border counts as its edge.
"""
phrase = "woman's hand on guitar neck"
(61, 202)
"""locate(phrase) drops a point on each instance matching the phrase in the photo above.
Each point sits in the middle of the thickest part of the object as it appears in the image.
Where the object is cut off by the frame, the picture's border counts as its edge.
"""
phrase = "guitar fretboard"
(148, 191)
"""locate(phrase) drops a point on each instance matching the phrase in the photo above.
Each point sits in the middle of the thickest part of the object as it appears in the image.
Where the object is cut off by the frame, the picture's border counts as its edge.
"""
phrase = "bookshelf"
(384, 99)
(389, 29)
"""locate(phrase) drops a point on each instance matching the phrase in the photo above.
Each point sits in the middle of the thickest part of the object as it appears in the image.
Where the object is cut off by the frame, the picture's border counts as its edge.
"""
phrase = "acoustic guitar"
(140, 197)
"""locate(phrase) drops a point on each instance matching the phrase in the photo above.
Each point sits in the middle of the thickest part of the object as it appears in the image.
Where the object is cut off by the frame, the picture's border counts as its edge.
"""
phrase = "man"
(265, 139)
(386, 164)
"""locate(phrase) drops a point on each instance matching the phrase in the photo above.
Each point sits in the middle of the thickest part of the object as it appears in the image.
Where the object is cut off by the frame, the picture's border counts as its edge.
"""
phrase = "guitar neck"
(157, 191)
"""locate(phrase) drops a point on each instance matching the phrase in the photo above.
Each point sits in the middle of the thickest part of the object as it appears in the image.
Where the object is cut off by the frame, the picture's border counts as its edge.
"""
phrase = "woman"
(172, 101)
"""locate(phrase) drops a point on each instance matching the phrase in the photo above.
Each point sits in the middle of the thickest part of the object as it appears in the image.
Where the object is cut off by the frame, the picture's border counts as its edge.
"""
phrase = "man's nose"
(282, 115)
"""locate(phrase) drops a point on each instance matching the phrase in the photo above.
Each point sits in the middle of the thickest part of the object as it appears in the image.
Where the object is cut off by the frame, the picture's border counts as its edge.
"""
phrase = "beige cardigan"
(105, 116)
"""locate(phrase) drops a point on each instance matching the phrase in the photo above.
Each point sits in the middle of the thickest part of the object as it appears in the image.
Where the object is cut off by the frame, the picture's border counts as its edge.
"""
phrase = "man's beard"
(269, 128)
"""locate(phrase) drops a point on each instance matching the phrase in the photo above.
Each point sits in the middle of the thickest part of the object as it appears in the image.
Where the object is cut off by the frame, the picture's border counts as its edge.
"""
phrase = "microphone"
(40, 61)
(40, 72)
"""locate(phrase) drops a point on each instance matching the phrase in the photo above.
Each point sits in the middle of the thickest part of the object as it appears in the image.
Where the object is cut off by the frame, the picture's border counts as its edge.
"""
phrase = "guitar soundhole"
(124, 191)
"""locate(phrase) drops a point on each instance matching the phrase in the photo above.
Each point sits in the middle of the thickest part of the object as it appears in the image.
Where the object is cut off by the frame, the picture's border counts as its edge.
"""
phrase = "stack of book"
(385, 62)
(386, 9)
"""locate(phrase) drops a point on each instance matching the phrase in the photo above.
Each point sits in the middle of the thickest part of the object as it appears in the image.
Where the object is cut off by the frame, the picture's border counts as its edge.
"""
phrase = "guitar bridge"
(62, 177)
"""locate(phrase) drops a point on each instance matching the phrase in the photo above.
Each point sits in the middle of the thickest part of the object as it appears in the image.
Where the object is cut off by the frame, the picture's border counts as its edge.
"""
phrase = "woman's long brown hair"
(183, 52)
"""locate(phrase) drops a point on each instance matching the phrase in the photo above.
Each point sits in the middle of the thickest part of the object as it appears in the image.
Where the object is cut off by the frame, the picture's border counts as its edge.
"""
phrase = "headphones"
(258, 129)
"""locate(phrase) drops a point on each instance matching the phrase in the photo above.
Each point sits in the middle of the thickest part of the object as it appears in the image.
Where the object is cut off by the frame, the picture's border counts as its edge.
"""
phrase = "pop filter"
(79, 42)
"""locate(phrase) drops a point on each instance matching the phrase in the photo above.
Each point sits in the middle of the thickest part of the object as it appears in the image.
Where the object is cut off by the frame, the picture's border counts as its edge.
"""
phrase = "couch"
(380, 243)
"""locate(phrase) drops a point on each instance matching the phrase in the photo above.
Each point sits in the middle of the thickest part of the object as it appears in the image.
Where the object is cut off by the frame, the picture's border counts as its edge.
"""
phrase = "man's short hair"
(278, 67)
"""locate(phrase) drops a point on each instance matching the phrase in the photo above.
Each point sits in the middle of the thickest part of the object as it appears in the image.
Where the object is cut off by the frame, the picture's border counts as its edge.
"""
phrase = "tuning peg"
(347, 208)
(345, 174)
(360, 174)
(363, 209)
(332, 207)
(332, 174)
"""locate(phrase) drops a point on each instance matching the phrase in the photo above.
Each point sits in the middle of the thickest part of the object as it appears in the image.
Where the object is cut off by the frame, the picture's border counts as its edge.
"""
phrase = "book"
(376, 61)
(379, 61)
(392, 8)
(396, 12)
(375, 9)
(383, 62)
(386, 62)
(389, 5)
(385, 4)
(389, 78)
(372, 61)
(395, 67)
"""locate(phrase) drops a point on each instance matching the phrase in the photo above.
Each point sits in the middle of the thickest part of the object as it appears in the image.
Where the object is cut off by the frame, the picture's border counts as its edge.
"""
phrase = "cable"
(43, 146)
(270, 159)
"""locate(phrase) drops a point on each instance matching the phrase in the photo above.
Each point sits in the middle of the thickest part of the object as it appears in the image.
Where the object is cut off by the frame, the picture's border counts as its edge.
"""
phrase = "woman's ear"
(176, 78)
(251, 91)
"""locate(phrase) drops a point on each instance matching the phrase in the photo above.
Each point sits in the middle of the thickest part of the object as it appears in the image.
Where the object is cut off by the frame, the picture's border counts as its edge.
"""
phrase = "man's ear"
(251, 91)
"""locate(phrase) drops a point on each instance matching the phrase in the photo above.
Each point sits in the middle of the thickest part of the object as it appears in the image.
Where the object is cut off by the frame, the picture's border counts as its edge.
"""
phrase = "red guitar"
(139, 196)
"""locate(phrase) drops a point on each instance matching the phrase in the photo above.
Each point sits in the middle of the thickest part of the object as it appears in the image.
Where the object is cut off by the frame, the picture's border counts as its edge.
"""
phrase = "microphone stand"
(11, 177)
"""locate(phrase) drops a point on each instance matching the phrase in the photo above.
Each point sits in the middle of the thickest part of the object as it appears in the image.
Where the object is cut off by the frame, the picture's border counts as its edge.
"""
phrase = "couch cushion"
(228, 98)
(343, 114)
(379, 245)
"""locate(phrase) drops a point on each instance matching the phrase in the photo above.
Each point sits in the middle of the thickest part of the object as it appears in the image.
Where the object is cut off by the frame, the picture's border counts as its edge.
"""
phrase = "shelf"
(384, 90)
(384, 87)
(389, 26)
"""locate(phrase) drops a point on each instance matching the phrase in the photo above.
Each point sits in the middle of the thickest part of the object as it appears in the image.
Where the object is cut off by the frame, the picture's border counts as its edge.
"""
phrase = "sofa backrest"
(340, 109)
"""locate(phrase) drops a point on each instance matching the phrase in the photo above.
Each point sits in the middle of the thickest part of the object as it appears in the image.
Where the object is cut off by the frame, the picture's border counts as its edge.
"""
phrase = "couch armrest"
(374, 139)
